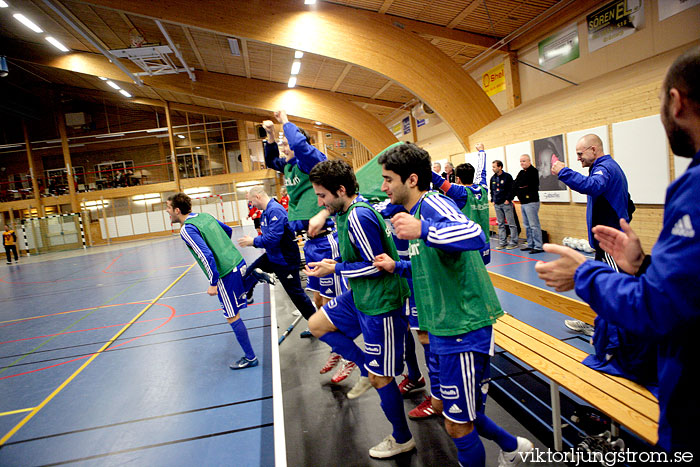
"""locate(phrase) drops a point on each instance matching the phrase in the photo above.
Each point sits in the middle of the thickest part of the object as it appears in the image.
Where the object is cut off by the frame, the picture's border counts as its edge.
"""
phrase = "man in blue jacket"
(616, 351)
(658, 298)
(281, 251)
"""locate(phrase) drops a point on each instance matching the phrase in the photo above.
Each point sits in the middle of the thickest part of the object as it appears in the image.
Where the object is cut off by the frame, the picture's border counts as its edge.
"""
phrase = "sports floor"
(116, 355)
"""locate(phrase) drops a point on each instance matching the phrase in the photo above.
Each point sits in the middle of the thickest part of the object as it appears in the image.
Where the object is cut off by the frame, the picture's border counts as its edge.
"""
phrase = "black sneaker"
(262, 276)
(536, 251)
(525, 248)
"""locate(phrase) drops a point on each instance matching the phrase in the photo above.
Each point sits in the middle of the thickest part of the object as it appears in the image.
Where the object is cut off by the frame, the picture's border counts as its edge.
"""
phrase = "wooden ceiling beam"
(246, 58)
(350, 35)
(385, 6)
(313, 104)
(463, 14)
(194, 47)
(382, 89)
(342, 76)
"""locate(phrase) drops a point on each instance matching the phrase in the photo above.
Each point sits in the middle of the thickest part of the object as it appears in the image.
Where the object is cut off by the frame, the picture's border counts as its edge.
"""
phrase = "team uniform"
(374, 306)
(303, 203)
(472, 200)
(218, 258)
(209, 241)
(281, 256)
(617, 352)
(459, 320)
(662, 304)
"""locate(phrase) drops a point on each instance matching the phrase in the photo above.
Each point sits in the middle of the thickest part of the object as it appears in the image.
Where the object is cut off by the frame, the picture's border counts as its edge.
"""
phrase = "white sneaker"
(579, 326)
(361, 387)
(390, 448)
(506, 459)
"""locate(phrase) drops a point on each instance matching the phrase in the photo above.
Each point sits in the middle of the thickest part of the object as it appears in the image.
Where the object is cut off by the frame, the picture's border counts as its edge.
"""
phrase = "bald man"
(617, 351)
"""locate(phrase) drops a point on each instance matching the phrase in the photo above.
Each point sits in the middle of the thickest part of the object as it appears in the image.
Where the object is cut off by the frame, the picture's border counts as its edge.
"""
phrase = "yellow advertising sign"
(494, 80)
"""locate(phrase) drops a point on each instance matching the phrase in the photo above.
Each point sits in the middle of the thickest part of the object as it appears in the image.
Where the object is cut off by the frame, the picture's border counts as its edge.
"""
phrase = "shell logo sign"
(494, 80)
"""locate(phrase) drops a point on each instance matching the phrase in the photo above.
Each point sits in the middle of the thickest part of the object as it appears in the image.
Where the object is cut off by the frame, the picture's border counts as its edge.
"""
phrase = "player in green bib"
(374, 305)
(209, 241)
(456, 301)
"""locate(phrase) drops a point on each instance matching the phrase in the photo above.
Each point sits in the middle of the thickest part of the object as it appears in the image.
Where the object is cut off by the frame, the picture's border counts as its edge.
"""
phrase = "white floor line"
(277, 405)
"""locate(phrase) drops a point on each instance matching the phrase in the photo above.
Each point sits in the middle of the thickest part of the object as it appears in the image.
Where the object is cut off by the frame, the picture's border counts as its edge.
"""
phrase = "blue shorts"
(232, 292)
(463, 385)
(316, 249)
(383, 334)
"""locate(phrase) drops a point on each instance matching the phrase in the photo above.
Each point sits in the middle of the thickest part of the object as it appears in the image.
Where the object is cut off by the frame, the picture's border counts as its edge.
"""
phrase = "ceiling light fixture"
(57, 44)
(296, 66)
(27, 22)
(124, 93)
(3, 4)
(298, 54)
(181, 136)
(292, 82)
(318, 123)
(309, 2)
(112, 84)
(103, 79)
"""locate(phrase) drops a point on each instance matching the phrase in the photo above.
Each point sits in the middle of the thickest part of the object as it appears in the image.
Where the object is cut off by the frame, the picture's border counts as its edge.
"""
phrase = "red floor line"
(167, 320)
(506, 264)
(115, 325)
(511, 254)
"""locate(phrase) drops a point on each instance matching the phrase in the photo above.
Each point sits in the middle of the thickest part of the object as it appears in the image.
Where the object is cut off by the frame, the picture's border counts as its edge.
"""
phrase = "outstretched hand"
(624, 247)
(281, 116)
(559, 273)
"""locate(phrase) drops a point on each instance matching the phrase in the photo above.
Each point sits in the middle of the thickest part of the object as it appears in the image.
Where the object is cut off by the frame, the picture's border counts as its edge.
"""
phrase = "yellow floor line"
(36, 409)
(12, 412)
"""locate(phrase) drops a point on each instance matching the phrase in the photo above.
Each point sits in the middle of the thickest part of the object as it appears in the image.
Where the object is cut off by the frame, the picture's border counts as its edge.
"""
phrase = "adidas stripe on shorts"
(231, 291)
(463, 385)
(383, 334)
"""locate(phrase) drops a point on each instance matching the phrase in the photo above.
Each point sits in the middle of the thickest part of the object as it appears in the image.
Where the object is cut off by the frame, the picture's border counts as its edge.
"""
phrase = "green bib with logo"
(478, 209)
(372, 295)
(453, 291)
(226, 256)
(303, 203)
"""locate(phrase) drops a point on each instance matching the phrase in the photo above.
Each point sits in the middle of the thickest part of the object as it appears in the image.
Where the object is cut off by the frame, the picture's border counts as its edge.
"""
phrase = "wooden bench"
(625, 402)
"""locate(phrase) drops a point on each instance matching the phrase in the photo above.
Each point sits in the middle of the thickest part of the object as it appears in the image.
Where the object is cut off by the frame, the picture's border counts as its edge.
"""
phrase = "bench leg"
(556, 415)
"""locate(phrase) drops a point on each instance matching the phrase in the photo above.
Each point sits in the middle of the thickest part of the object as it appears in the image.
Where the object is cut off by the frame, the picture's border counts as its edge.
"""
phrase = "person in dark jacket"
(527, 186)
(657, 298)
(502, 195)
(281, 251)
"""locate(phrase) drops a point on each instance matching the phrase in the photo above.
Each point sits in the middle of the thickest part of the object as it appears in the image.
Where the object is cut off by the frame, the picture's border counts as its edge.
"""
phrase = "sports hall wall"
(617, 83)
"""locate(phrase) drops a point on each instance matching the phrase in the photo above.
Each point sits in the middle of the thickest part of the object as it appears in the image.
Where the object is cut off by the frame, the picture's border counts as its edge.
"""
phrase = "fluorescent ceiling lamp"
(198, 147)
(146, 196)
(235, 48)
(103, 79)
(250, 183)
(57, 44)
(110, 135)
(202, 190)
(157, 130)
(318, 123)
(112, 84)
(124, 93)
(27, 22)
(309, 2)
(298, 54)
(3, 4)
(292, 82)
(296, 66)
(181, 136)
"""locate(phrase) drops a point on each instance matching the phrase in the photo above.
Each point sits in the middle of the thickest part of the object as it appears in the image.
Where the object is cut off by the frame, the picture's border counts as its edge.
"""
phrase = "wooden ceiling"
(442, 22)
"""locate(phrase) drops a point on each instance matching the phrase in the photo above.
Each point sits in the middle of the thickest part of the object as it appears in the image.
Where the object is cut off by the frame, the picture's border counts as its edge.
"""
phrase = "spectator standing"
(527, 186)
(502, 195)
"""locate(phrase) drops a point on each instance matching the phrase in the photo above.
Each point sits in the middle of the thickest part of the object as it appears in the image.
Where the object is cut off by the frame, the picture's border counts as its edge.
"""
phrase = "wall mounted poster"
(559, 48)
(614, 21)
(551, 189)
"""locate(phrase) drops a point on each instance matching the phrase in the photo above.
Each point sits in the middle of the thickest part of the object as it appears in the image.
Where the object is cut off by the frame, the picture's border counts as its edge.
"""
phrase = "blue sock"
(392, 405)
(410, 357)
(344, 346)
(431, 361)
(470, 450)
(242, 335)
(489, 430)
